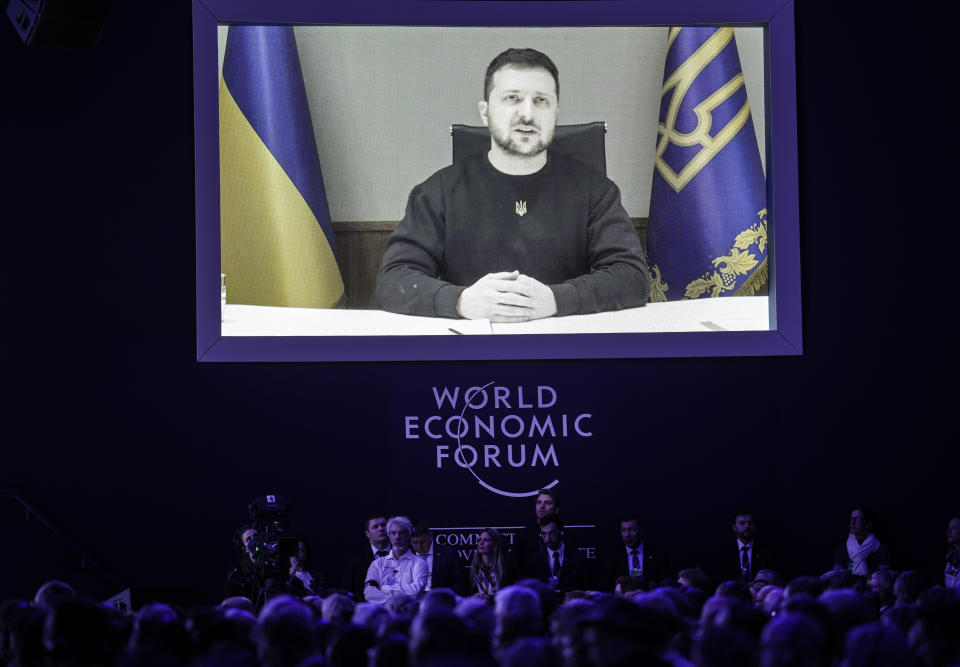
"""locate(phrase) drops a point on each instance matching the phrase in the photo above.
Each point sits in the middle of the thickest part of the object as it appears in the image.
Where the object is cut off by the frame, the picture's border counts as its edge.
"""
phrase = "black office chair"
(584, 142)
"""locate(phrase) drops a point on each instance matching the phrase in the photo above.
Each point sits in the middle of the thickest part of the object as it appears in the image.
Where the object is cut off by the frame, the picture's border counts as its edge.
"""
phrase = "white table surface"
(743, 313)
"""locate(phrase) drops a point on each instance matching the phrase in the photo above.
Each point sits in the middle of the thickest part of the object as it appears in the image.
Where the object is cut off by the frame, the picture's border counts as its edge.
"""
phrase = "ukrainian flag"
(276, 240)
(707, 233)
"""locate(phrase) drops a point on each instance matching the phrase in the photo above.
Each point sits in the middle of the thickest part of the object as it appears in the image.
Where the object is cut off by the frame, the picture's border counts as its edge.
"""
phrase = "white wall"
(382, 100)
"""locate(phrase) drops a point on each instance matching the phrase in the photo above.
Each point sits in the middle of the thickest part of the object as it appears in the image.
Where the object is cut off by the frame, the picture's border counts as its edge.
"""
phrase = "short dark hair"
(743, 511)
(626, 518)
(519, 59)
(628, 583)
(547, 519)
(420, 527)
(371, 517)
(549, 492)
(868, 515)
(697, 578)
(238, 536)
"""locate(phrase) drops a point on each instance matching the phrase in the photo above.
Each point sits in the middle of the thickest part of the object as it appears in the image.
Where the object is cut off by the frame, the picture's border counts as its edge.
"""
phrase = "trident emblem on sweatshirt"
(521, 208)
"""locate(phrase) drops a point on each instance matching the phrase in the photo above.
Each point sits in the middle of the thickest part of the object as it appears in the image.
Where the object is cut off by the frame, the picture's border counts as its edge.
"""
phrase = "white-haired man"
(400, 572)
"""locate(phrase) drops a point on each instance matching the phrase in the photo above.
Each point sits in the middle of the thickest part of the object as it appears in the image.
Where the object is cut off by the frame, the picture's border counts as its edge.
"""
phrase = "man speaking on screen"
(520, 232)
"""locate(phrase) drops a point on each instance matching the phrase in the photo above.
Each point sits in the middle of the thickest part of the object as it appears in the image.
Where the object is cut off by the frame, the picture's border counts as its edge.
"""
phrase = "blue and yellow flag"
(276, 240)
(707, 234)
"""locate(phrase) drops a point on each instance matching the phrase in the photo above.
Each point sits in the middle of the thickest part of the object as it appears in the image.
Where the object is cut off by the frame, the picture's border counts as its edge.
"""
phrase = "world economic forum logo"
(509, 439)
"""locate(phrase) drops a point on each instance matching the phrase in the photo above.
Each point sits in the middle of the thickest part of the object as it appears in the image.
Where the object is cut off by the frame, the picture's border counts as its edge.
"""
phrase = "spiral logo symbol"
(461, 451)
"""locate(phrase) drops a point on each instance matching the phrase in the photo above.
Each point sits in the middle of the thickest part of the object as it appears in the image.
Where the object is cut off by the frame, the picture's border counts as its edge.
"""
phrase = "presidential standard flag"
(707, 234)
(276, 240)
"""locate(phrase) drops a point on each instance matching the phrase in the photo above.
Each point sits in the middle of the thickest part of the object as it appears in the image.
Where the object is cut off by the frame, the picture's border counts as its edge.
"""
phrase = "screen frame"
(777, 17)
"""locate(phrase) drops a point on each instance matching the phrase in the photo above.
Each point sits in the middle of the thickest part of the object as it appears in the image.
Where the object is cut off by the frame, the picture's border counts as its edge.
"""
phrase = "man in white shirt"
(400, 572)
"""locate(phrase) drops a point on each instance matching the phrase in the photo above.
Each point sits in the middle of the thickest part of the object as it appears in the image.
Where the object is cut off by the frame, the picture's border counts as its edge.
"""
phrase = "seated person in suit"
(444, 566)
(562, 566)
(747, 559)
(528, 540)
(376, 544)
(637, 558)
(862, 552)
(488, 572)
(400, 572)
(521, 232)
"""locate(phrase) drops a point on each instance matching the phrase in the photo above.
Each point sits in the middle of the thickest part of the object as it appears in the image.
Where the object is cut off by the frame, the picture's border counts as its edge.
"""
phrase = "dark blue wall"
(148, 458)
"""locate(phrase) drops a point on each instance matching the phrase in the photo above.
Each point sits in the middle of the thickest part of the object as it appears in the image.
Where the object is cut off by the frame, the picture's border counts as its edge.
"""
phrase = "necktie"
(745, 564)
(381, 553)
(635, 559)
(556, 563)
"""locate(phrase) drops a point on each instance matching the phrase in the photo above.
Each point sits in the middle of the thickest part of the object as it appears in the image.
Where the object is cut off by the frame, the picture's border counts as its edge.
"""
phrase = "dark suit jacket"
(243, 580)
(573, 570)
(448, 571)
(656, 567)
(762, 559)
(526, 545)
(355, 575)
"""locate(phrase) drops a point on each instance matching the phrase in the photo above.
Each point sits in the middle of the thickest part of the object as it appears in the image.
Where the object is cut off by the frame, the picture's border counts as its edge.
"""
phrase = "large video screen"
(319, 131)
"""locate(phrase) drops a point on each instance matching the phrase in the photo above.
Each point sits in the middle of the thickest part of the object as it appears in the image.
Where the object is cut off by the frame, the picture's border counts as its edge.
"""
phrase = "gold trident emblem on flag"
(681, 80)
(521, 208)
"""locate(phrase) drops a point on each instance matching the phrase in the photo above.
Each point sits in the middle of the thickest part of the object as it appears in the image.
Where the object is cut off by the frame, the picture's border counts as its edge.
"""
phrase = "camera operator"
(270, 558)
(242, 577)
